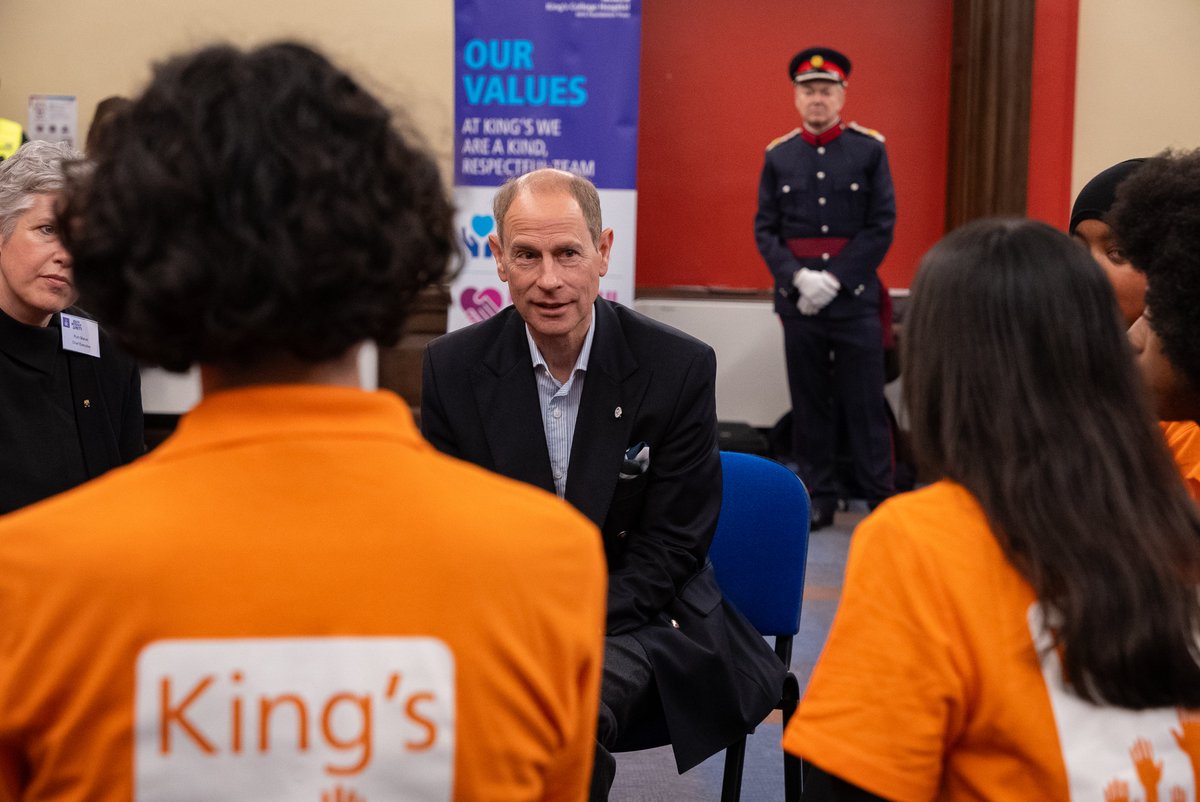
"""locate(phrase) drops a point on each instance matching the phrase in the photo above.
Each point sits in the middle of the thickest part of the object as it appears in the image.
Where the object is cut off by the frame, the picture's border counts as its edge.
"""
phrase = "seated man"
(616, 414)
(294, 597)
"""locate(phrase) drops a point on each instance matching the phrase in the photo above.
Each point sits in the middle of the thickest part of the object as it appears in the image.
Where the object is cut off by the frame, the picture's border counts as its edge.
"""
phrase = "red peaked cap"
(819, 64)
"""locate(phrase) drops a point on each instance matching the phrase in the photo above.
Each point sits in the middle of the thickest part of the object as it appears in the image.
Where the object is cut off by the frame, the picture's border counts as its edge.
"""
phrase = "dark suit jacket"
(645, 383)
(39, 458)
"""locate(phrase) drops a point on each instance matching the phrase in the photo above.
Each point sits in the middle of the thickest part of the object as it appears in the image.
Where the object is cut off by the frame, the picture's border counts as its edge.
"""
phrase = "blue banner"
(546, 84)
(543, 84)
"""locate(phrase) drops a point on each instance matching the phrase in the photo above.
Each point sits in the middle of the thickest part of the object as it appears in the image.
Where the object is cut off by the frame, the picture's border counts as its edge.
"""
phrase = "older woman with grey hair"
(70, 402)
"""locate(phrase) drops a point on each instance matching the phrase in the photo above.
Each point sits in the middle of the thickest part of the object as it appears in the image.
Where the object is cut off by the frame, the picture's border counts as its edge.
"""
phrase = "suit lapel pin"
(617, 412)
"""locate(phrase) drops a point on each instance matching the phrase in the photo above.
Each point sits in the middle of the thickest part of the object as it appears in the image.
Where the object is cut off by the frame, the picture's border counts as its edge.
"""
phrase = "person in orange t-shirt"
(1024, 627)
(1183, 439)
(295, 597)
(1156, 219)
(1089, 227)
(1090, 216)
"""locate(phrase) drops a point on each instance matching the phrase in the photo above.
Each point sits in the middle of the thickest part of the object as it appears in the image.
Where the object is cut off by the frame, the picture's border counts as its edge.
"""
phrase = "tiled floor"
(650, 776)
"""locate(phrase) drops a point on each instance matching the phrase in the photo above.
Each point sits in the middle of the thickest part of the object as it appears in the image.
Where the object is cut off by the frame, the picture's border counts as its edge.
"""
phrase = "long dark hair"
(1021, 388)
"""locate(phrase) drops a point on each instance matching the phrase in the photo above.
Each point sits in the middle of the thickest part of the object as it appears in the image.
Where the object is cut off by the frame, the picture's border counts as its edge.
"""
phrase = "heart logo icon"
(482, 224)
(480, 304)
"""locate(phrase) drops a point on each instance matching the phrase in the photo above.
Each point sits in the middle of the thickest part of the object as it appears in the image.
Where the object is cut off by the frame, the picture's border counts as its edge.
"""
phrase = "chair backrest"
(761, 544)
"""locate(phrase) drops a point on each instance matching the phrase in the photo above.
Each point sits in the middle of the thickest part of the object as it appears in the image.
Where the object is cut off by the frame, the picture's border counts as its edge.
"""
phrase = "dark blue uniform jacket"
(842, 189)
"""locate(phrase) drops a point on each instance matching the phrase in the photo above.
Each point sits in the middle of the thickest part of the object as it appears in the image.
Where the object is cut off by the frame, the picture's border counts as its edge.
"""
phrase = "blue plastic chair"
(759, 552)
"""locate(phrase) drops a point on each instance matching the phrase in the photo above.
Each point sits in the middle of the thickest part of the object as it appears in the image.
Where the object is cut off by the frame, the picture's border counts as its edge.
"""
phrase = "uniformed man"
(826, 209)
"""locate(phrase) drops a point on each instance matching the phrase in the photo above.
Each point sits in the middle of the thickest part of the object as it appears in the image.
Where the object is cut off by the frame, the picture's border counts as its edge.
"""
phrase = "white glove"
(806, 306)
(817, 288)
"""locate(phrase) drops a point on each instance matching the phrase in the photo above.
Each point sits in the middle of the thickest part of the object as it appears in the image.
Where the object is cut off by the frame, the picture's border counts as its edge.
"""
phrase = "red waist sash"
(816, 247)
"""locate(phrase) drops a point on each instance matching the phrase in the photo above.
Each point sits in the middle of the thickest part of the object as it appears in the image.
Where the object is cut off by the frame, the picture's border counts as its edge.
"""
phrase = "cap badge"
(817, 61)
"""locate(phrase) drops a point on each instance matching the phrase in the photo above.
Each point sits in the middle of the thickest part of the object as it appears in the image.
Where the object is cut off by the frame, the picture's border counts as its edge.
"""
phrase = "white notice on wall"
(54, 118)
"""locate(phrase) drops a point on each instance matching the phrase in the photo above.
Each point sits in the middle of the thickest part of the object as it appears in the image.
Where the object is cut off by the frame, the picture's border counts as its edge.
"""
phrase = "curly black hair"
(1156, 220)
(253, 204)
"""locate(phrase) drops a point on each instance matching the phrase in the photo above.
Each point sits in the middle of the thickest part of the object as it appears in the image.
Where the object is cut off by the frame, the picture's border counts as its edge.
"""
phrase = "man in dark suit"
(615, 413)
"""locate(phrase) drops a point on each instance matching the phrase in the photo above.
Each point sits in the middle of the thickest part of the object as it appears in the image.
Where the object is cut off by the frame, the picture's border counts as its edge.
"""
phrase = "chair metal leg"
(735, 757)
(790, 699)
(793, 785)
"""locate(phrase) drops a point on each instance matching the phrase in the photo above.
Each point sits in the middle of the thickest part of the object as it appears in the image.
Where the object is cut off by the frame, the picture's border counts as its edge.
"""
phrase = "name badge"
(80, 335)
(351, 719)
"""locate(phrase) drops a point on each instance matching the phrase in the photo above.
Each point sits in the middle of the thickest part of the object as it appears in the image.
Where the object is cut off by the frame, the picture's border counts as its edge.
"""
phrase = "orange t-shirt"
(930, 685)
(1183, 439)
(296, 598)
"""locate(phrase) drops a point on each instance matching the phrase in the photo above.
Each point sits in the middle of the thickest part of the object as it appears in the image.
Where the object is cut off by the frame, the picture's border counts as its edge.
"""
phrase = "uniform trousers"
(625, 686)
(836, 364)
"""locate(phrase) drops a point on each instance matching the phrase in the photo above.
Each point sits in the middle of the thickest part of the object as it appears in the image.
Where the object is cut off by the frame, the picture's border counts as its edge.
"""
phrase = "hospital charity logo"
(480, 304)
(481, 301)
(475, 237)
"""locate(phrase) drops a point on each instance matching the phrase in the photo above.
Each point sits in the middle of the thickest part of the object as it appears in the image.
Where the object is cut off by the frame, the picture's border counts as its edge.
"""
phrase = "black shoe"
(821, 517)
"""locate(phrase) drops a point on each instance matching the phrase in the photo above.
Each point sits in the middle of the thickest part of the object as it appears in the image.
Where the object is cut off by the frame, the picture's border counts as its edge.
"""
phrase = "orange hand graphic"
(1188, 734)
(340, 794)
(1116, 791)
(1188, 738)
(1149, 772)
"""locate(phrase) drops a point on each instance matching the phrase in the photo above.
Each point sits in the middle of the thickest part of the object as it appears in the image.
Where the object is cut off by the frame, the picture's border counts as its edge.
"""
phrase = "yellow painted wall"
(1137, 87)
(401, 49)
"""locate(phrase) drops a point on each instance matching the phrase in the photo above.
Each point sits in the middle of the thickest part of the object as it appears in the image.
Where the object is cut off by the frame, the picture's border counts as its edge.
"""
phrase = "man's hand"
(817, 288)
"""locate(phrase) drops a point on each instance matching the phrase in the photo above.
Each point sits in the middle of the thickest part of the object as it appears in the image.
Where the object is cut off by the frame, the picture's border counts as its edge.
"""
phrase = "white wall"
(748, 339)
(165, 393)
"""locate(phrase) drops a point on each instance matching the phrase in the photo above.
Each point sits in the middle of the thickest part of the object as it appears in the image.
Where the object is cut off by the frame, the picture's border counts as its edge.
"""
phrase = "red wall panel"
(714, 92)
(1052, 113)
